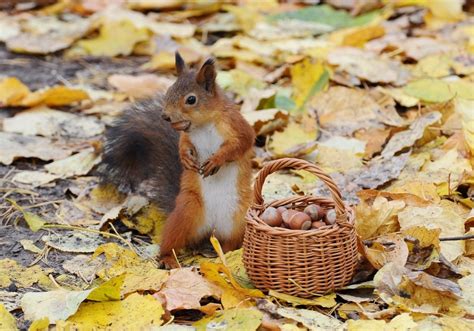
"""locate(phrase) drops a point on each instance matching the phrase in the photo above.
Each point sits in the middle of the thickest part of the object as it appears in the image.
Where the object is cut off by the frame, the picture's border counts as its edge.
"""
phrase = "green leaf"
(34, 221)
(325, 14)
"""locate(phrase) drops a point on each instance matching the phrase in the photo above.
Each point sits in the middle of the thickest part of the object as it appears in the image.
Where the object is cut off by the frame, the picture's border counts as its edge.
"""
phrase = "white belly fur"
(219, 191)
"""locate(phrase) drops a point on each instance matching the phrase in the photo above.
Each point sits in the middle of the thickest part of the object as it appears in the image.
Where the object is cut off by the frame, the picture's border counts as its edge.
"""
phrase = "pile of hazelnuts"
(313, 217)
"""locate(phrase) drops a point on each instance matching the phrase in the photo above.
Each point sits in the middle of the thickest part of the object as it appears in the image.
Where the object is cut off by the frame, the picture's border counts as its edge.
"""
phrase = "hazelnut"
(300, 221)
(286, 215)
(330, 217)
(317, 224)
(315, 212)
(281, 209)
(271, 216)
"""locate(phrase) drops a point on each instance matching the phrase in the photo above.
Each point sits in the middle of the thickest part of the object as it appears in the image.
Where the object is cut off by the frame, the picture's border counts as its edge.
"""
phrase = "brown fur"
(212, 106)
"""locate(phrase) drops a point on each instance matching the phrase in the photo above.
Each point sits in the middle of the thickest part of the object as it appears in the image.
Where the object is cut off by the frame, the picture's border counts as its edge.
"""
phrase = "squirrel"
(190, 151)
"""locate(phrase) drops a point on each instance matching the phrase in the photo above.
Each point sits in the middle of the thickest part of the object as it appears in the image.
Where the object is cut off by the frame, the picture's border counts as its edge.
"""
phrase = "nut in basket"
(301, 262)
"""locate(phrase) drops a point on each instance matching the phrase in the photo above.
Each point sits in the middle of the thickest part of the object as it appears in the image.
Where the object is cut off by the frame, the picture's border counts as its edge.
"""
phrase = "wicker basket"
(299, 262)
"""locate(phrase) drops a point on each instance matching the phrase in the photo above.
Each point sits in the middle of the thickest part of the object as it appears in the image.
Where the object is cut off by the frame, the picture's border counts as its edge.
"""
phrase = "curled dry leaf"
(140, 86)
(185, 288)
(385, 249)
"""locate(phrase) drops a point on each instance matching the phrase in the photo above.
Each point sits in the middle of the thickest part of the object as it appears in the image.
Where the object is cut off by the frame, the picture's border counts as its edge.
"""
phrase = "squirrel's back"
(141, 154)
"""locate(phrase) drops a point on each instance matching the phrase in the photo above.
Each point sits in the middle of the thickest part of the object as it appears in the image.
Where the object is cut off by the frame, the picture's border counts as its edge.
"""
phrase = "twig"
(176, 258)
(466, 237)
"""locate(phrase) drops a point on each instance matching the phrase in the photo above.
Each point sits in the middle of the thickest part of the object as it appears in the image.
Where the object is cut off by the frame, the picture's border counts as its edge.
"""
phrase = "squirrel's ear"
(206, 77)
(180, 64)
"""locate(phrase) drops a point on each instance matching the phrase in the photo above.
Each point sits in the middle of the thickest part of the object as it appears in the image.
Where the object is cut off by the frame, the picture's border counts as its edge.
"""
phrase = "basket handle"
(298, 164)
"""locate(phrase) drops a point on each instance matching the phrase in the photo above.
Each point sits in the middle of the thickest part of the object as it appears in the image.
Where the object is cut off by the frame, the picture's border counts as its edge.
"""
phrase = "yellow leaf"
(7, 321)
(110, 290)
(307, 78)
(115, 38)
(54, 96)
(360, 35)
(12, 90)
(327, 301)
(401, 322)
(385, 249)
(34, 221)
(378, 218)
(293, 135)
(466, 109)
(242, 319)
(11, 271)
(136, 312)
(39, 325)
(121, 260)
(435, 217)
(233, 294)
(429, 90)
(434, 66)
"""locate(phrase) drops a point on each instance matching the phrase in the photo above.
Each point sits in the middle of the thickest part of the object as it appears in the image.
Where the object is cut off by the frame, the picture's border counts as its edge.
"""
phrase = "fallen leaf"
(245, 319)
(12, 91)
(76, 165)
(429, 90)
(434, 217)
(50, 123)
(7, 321)
(401, 322)
(464, 108)
(54, 34)
(385, 249)
(407, 138)
(266, 120)
(107, 43)
(30, 246)
(467, 287)
(140, 86)
(14, 146)
(293, 135)
(310, 319)
(233, 295)
(307, 78)
(74, 241)
(185, 288)
(342, 110)
(55, 305)
(108, 291)
(377, 219)
(34, 221)
(368, 66)
(326, 301)
(134, 312)
(34, 178)
(12, 272)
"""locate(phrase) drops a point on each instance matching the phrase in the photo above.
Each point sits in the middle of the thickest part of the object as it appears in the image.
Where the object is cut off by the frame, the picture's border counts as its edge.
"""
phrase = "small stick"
(466, 237)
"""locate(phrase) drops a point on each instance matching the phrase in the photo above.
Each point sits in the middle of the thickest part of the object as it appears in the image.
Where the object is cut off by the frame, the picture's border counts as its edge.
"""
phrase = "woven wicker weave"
(299, 262)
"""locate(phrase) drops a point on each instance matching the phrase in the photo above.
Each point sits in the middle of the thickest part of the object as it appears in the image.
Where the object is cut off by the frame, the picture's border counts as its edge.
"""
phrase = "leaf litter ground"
(406, 150)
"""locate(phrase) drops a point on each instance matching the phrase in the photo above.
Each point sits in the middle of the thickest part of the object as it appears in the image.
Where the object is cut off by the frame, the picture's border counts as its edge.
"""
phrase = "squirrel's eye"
(191, 100)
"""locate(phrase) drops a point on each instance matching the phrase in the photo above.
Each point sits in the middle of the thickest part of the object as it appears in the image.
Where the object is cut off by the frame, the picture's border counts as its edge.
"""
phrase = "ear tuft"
(206, 77)
(179, 62)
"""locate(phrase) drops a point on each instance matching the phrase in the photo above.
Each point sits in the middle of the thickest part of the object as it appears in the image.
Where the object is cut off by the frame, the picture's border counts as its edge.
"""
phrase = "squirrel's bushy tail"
(141, 154)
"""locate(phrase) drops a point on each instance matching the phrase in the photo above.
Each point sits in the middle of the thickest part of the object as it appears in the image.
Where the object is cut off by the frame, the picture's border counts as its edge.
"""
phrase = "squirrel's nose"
(165, 117)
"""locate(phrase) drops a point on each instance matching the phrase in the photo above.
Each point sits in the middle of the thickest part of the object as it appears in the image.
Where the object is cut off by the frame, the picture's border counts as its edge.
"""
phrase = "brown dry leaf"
(266, 120)
(343, 110)
(374, 138)
(140, 86)
(385, 249)
(436, 216)
(407, 138)
(368, 66)
(185, 288)
(379, 218)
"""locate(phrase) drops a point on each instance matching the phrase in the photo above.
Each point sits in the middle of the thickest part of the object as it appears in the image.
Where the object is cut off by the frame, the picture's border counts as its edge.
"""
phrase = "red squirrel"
(211, 159)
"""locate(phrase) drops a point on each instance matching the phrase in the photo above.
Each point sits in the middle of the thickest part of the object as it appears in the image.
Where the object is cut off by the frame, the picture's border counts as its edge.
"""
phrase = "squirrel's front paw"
(189, 160)
(210, 167)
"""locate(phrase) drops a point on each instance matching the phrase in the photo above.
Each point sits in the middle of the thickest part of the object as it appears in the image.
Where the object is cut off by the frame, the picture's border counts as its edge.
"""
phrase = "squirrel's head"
(191, 100)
